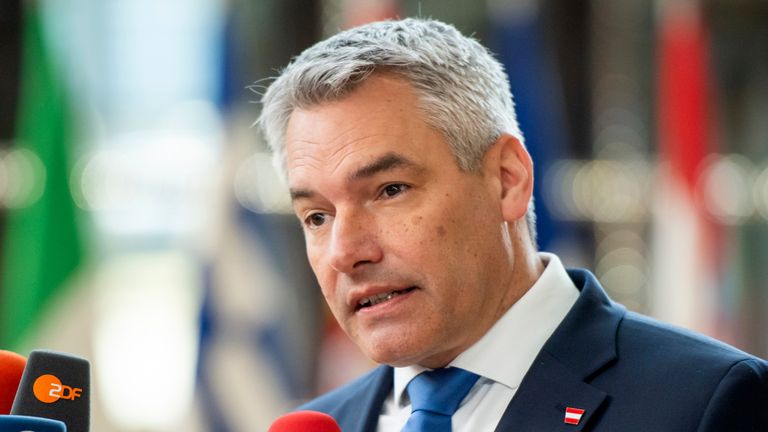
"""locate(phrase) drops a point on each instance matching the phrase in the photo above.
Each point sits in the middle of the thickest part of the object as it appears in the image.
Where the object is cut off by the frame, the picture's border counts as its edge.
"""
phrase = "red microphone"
(11, 369)
(305, 421)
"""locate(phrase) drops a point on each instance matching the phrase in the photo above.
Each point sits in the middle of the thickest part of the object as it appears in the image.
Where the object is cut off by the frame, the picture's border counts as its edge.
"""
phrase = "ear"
(514, 170)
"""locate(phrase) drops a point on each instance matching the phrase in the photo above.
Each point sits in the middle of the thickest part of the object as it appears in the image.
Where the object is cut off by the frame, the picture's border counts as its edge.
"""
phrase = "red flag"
(573, 415)
(686, 261)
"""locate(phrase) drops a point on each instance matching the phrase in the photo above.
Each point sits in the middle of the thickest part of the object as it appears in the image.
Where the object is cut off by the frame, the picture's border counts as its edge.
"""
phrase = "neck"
(525, 269)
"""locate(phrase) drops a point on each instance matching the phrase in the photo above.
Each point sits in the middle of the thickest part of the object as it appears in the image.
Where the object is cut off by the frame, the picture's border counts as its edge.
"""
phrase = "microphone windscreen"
(305, 421)
(56, 386)
(11, 369)
(16, 423)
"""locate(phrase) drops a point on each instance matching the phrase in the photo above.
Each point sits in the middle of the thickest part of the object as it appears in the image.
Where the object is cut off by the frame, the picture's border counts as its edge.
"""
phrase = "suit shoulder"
(673, 343)
(682, 380)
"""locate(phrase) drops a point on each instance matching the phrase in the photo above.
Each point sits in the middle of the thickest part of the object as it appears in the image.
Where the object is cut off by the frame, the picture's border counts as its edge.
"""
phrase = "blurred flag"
(42, 246)
(518, 39)
(259, 320)
(259, 324)
(687, 263)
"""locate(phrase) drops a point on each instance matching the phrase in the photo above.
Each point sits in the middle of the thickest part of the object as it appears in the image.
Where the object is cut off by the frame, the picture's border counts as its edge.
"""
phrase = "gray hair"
(463, 90)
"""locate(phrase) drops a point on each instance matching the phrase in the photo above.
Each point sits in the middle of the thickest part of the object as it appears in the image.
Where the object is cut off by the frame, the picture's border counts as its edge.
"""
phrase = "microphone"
(53, 395)
(15, 423)
(305, 421)
(11, 368)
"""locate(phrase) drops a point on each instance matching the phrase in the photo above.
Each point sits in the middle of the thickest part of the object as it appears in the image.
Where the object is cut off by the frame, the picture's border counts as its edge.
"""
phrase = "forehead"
(381, 116)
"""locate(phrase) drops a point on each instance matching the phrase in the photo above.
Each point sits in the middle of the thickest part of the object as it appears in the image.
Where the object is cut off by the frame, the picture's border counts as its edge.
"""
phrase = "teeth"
(379, 298)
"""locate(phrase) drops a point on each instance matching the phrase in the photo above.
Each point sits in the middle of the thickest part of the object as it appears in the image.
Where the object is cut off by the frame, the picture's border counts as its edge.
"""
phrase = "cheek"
(322, 271)
(432, 244)
(404, 234)
(313, 256)
(462, 238)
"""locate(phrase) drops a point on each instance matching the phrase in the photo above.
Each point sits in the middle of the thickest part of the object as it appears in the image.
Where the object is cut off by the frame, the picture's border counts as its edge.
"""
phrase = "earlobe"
(516, 177)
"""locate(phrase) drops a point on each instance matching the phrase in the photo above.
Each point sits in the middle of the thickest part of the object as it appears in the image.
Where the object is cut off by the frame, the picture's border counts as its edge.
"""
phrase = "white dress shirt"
(501, 357)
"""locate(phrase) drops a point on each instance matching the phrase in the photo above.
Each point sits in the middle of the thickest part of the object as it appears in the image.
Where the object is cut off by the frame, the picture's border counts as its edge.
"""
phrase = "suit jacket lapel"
(582, 345)
(360, 412)
(541, 400)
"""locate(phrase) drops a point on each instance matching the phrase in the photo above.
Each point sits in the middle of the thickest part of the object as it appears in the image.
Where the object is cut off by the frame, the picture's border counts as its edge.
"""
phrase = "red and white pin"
(573, 415)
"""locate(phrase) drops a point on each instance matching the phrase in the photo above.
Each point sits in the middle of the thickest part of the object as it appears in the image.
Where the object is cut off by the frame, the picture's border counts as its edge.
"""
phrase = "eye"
(394, 189)
(315, 220)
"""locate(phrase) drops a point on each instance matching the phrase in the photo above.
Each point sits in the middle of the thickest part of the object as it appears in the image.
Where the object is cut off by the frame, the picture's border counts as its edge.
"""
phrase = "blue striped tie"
(435, 396)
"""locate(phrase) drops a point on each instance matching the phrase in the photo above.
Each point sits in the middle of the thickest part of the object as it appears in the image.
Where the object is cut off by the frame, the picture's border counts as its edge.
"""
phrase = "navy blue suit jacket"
(628, 372)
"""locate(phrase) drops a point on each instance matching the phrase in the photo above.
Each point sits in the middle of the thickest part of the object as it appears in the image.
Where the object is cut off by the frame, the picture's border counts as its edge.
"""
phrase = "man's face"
(407, 248)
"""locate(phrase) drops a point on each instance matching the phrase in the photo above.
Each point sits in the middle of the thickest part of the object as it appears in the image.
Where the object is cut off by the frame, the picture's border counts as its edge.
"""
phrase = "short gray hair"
(463, 90)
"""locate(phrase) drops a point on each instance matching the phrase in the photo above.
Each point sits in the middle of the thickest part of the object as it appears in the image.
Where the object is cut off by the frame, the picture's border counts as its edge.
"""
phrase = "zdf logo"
(48, 389)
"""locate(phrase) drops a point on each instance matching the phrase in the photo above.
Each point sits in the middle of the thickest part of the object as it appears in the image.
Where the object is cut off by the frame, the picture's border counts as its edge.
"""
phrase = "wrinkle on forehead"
(336, 137)
(331, 156)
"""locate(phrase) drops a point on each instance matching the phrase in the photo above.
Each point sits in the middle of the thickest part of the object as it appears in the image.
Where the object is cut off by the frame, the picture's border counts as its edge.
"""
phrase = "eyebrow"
(386, 162)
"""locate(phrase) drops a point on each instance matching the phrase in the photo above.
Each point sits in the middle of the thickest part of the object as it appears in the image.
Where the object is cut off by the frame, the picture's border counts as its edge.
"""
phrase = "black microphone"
(55, 386)
(12, 367)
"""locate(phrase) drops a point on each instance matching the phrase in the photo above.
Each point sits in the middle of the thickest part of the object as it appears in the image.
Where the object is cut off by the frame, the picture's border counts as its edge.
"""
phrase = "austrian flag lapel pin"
(573, 415)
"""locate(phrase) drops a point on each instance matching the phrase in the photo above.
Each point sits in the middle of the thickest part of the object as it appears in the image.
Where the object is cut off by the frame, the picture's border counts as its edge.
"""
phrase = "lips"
(381, 297)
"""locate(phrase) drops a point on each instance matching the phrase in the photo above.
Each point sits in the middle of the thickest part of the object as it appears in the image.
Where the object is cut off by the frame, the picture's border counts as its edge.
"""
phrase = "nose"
(354, 242)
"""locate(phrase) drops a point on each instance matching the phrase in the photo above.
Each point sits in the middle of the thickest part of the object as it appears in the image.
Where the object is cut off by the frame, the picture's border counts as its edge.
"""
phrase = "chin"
(401, 356)
(392, 356)
(388, 358)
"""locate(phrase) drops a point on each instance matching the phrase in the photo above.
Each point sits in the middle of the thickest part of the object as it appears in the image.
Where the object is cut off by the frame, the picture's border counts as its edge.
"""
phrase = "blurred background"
(142, 226)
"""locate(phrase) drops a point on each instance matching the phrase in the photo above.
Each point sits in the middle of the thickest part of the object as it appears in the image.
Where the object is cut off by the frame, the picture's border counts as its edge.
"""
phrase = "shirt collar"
(517, 337)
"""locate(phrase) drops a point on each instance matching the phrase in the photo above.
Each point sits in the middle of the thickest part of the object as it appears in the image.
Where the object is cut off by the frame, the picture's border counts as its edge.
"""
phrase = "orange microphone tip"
(10, 355)
(11, 369)
(10, 362)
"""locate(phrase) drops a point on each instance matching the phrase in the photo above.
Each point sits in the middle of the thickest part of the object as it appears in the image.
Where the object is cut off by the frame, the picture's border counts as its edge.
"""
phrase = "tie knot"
(440, 390)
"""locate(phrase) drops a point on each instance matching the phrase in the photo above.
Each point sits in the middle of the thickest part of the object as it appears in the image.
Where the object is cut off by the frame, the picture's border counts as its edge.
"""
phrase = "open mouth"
(381, 298)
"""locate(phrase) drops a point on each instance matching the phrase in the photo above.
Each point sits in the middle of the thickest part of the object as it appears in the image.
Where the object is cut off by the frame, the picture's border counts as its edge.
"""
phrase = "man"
(409, 174)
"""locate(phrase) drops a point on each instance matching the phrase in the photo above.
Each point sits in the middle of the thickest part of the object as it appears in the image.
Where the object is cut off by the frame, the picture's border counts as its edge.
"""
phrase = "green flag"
(42, 245)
